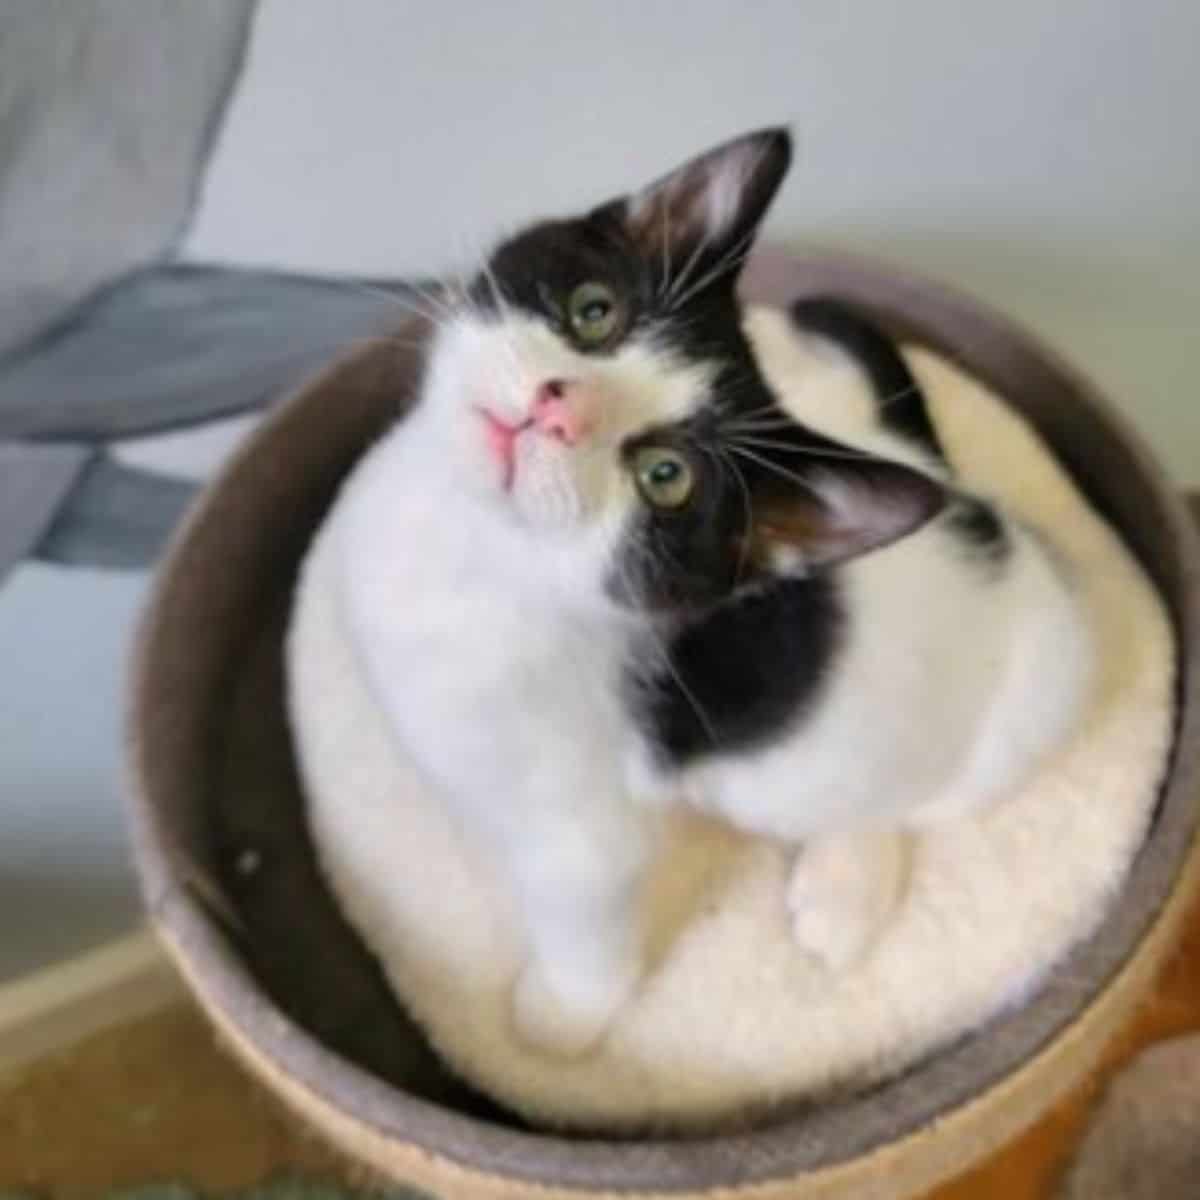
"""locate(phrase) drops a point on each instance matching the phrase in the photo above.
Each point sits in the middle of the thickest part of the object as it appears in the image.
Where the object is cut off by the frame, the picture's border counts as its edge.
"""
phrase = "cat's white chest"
(489, 686)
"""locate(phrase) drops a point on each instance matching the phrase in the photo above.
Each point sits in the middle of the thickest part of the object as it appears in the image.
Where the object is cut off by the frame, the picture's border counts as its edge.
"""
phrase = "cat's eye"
(664, 476)
(593, 313)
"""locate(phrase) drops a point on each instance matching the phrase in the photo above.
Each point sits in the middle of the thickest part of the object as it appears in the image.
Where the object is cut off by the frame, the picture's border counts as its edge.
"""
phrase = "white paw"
(565, 1021)
(841, 896)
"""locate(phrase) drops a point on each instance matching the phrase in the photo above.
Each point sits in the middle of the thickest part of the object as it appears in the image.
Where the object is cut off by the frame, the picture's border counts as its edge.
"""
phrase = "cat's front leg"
(843, 890)
(579, 895)
(564, 1004)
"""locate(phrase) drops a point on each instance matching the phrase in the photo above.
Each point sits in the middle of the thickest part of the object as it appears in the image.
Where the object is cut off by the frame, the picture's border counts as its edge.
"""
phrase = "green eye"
(664, 477)
(593, 313)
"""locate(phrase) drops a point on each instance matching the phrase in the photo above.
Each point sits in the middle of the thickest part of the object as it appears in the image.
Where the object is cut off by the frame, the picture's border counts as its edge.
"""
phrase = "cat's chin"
(540, 493)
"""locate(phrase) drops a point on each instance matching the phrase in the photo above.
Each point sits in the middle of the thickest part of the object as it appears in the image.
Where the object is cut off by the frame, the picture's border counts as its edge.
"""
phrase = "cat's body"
(967, 622)
(587, 577)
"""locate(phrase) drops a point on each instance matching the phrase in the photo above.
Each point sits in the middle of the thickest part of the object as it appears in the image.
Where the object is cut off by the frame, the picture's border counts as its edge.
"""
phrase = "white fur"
(498, 365)
(503, 660)
(531, 841)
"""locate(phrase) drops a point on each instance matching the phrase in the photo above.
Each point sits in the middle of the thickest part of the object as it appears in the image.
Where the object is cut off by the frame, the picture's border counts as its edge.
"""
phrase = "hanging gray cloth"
(114, 516)
(107, 112)
(170, 348)
(107, 116)
(34, 482)
(180, 345)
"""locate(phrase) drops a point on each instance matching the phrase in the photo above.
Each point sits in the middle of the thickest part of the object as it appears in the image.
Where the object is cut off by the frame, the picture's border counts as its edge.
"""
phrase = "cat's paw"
(841, 895)
(566, 1021)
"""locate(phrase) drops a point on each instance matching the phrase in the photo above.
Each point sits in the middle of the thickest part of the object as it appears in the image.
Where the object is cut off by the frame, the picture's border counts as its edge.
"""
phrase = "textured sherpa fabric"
(732, 1017)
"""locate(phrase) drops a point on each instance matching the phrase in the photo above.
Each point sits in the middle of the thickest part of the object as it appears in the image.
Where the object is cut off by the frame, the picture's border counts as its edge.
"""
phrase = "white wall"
(64, 880)
(1044, 154)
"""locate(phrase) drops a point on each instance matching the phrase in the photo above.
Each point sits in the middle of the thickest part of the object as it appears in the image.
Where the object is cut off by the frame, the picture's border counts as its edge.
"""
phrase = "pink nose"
(561, 410)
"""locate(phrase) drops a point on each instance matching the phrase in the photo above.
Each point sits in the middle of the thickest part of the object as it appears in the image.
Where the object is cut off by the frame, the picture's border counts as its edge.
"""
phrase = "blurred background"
(187, 192)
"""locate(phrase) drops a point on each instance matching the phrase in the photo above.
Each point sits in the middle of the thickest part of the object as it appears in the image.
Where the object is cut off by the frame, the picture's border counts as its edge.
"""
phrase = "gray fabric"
(114, 516)
(106, 115)
(107, 112)
(179, 345)
(33, 482)
(168, 347)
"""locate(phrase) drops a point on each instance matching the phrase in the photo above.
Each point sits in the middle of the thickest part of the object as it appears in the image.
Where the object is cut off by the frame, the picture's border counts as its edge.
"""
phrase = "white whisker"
(693, 259)
(728, 262)
(721, 455)
(760, 424)
(903, 394)
(412, 300)
(664, 285)
(688, 694)
(767, 465)
(807, 451)
(663, 654)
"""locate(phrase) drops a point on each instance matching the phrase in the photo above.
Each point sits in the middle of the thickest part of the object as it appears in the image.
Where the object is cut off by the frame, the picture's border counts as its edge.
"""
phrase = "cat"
(598, 569)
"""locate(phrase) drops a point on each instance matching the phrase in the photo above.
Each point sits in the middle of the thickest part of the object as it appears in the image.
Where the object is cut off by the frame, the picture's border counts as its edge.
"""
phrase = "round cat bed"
(231, 883)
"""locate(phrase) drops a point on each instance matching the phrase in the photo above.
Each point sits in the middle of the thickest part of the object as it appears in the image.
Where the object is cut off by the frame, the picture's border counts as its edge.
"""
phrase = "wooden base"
(60, 1005)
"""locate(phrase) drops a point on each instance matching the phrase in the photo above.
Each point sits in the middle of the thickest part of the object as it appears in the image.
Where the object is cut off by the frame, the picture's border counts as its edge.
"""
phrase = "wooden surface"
(147, 1102)
(62, 1004)
(155, 1099)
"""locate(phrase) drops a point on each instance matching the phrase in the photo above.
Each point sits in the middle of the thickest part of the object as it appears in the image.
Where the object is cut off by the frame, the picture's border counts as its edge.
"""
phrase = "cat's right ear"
(841, 508)
(705, 214)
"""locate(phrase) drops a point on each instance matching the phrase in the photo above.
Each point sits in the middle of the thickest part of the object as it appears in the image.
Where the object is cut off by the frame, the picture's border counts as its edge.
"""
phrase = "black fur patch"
(740, 675)
(537, 270)
(901, 402)
(978, 526)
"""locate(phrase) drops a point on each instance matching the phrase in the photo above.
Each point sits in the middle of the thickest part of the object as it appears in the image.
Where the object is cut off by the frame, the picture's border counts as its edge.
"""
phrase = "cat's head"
(598, 392)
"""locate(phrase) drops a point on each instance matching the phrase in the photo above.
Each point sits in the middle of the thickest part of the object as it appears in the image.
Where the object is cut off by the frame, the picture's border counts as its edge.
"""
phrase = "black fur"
(899, 397)
(537, 270)
(978, 527)
(743, 673)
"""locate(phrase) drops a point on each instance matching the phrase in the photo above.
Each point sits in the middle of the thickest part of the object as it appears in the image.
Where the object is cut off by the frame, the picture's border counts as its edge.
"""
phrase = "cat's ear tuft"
(838, 510)
(708, 210)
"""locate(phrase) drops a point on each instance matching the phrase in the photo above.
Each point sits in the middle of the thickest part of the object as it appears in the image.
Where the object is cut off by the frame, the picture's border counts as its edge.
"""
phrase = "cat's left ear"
(839, 508)
(704, 215)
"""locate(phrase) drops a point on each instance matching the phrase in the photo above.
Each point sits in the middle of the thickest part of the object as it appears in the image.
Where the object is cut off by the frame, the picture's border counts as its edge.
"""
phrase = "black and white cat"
(601, 568)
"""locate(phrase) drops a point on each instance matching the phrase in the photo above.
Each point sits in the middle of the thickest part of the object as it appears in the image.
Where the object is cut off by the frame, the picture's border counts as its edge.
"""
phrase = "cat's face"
(598, 392)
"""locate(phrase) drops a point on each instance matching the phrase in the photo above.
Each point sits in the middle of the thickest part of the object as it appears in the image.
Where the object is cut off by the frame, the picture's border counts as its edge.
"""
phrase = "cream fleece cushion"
(732, 1019)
